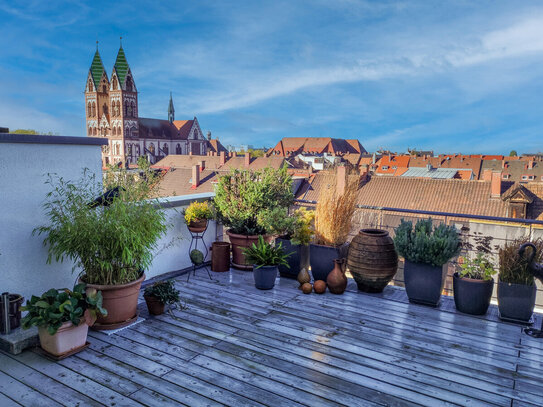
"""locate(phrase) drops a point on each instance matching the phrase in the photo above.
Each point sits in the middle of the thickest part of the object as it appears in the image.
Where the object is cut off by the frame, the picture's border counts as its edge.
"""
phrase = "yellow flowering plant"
(197, 211)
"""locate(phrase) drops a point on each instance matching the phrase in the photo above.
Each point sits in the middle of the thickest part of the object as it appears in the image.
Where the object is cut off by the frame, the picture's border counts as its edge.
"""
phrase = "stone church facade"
(111, 107)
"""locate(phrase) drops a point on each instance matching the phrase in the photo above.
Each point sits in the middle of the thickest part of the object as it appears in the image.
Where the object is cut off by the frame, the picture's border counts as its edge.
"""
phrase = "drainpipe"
(5, 314)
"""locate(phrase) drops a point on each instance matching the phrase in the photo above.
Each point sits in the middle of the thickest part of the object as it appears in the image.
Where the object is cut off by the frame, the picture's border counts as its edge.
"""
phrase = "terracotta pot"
(121, 303)
(198, 225)
(337, 280)
(220, 256)
(154, 305)
(372, 260)
(67, 338)
(240, 242)
(15, 302)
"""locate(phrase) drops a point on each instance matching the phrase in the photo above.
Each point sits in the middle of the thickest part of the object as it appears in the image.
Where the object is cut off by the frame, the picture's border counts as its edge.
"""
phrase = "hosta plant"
(266, 254)
(425, 243)
(56, 307)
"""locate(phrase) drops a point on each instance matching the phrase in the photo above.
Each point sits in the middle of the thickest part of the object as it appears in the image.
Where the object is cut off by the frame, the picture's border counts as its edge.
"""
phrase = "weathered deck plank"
(236, 345)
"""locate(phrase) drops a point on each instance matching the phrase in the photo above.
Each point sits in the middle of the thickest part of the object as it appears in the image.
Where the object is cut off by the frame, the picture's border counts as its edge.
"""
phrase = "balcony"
(236, 345)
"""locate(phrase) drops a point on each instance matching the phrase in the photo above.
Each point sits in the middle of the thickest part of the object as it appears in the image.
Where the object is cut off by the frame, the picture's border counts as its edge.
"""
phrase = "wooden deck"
(238, 346)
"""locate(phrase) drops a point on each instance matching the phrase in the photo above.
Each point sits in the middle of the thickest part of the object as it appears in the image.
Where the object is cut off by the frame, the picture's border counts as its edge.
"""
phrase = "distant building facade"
(111, 110)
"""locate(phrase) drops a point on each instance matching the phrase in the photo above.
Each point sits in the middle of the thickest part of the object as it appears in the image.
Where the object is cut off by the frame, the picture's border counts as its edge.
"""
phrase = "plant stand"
(195, 237)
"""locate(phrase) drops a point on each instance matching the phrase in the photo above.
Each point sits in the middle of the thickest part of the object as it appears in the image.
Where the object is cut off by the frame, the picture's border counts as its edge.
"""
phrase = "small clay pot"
(319, 286)
(198, 225)
(154, 305)
(307, 288)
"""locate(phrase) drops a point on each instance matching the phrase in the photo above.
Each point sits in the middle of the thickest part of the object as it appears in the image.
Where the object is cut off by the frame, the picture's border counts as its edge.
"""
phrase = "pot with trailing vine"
(160, 294)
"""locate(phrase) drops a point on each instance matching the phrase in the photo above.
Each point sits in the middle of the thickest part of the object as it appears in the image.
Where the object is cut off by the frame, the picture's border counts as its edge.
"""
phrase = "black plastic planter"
(265, 277)
(423, 283)
(472, 296)
(297, 261)
(322, 258)
(516, 302)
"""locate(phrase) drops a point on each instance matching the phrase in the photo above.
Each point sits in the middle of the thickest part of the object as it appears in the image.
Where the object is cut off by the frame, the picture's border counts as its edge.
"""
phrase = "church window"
(93, 112)
(114, 131)
(104, 88)
(178, 149)
(165, 149)
(91, 88)
(104, 108)
(138, 149)
(117, 149)
(89, 109)
(119, 131)
(152, 148)
(115, 83)
(134, 109)
(129, 84)
(126, 108)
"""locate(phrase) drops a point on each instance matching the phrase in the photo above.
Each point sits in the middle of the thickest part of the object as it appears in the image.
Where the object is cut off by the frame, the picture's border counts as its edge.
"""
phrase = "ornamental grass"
(334, 211)
(513, 268)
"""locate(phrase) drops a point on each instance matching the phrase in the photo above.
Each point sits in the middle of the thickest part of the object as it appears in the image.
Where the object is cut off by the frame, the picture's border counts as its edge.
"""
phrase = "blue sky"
(455, 76)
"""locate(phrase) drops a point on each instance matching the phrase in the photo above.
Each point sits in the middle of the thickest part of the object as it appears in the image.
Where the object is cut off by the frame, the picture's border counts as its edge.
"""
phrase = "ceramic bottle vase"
(336, 280)
(303, 277)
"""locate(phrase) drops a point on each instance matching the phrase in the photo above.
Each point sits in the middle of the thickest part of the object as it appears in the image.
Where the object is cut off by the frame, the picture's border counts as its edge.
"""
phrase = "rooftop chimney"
(190, 152)
(234, 153)
(222, 160)
(496, 184)
(247, 159)
(195, 176)
(341, 179)
(530, 164)
(202, 164)
(487, 175)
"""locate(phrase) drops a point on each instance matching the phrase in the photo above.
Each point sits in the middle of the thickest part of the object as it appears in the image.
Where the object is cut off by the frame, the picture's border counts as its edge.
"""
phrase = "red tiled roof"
(288, 146)
(392, 163)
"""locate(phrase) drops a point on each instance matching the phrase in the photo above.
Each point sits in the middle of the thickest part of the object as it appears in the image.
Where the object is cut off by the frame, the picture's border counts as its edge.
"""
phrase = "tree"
(24, 131)
(513, 153)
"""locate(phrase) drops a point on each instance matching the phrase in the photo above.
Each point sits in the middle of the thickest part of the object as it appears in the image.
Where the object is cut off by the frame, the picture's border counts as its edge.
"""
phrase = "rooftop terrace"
(239, 346)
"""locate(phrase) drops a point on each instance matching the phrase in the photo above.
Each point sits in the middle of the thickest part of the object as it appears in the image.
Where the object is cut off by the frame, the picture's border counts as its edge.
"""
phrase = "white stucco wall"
(23, 169)
(173, 249)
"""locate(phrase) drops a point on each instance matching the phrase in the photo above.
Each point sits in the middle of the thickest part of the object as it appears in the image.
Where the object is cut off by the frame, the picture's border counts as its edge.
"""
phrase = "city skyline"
(455, 78)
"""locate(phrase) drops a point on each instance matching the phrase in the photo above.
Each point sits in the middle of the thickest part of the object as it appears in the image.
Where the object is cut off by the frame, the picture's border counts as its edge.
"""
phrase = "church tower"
(123, 99)
(171, 110)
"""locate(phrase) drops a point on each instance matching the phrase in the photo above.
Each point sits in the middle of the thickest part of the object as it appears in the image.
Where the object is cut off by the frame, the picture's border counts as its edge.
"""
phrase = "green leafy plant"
(303, 232)
(164, 291)
(514, 269)
(113, 243)
(479, 268)
(197, 211)
(242, 196)
(265, 254)
(295, 226)
(425, 243)
(56, 307)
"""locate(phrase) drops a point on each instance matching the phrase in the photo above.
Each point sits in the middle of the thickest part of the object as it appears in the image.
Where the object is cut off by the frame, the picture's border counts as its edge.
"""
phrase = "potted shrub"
(160, 294)
(242, 197)
(294, 232)
(516, 285)
(333, 216)
(196, 216)
(63, 318)
(111, 238)
(473, 285)
(425, 249)
(265, 258)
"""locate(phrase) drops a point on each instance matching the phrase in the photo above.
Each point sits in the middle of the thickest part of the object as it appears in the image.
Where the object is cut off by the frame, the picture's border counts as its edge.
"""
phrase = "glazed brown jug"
(336, 280)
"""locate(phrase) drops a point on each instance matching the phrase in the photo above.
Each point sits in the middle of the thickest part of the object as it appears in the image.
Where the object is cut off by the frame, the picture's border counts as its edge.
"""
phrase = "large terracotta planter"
(240, 242)
(15, 302)
(67, 339)
(297, 261)
(197, 226)
(121, 303)
(516, 302)
(472, 296)
(372, 260)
